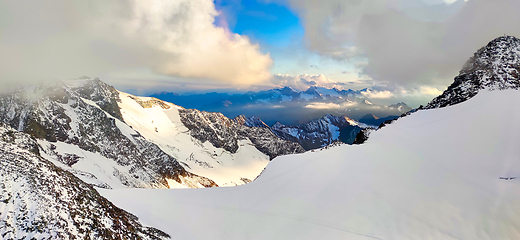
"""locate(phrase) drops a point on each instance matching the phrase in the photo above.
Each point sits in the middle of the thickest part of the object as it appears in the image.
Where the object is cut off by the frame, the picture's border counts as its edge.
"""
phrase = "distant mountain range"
(313, 134)
(286, 105)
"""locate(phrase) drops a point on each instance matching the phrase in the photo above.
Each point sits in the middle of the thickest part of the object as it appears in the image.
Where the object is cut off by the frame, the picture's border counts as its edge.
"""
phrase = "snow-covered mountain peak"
(401, 107)
(287, 91)
(495, 66)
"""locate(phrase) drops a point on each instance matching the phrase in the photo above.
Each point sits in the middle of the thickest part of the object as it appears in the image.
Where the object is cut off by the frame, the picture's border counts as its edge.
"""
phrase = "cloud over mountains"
(406, 42)
(65, 39)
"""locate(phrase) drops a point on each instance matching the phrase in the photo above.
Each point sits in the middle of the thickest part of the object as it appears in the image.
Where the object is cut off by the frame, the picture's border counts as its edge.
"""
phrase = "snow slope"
(431, 175)
(161, 124)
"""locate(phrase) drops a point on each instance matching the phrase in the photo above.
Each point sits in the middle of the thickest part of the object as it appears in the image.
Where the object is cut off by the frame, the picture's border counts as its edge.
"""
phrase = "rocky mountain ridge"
(495, 66)
(287, 105)
(223, 132)
(86, 115)
(320, 132)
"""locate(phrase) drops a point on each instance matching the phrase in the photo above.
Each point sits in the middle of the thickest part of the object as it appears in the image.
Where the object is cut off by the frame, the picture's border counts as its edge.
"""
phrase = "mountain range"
(71, 150)
(112, 139)
(431, 174)
(286, 105)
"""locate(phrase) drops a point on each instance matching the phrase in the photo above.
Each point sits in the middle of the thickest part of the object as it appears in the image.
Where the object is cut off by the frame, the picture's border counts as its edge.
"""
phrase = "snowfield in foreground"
(432, 175)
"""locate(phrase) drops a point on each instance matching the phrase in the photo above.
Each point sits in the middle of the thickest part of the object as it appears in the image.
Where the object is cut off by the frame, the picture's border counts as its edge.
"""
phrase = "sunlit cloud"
(323, 106)
(304, 81)
(377, 94)
(68, 39)
(430, 91)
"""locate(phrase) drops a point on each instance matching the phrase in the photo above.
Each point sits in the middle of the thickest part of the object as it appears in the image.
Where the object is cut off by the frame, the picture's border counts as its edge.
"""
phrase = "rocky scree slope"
(495, 66)
(86, 115)
(41, 201)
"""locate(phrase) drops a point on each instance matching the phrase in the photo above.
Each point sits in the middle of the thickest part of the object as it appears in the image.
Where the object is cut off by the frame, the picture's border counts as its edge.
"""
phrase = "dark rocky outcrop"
(495, 66)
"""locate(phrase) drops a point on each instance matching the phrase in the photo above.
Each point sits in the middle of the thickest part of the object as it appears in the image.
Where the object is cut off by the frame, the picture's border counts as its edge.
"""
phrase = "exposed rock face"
(223, 132)
(41, 201)
(314, 134)
(252, 121)
(212, 127)
(496, 66)
(320, 132)
(267, 142)
(104, 95)
(87, 115)
(363, 135)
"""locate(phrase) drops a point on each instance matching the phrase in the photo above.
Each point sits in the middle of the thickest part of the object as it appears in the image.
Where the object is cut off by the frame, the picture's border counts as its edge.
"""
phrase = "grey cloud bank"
(407, 42)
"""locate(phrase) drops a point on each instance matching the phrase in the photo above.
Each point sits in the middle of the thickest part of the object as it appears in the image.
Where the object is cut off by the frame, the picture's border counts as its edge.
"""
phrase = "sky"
(401, 49)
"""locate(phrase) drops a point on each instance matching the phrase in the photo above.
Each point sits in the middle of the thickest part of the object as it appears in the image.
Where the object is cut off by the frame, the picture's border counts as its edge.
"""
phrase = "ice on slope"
(164, 128)
(431, 175)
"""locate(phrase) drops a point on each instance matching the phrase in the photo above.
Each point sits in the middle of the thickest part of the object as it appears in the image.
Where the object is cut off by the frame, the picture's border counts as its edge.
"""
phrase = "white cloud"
(427, 90)
(377, 94)
(304, 81)
(406, 42)
(450, 1)
(322, 106)
(63, 39)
